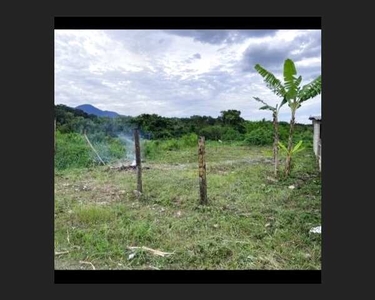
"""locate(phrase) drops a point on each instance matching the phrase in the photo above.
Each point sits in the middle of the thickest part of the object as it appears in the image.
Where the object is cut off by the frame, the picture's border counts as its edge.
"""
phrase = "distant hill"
(90, 109)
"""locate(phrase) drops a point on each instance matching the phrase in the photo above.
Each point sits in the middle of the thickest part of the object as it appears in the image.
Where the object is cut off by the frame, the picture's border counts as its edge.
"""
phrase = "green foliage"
(151, 149)
(297, 148)
(290, 91)
(306, 136)
(212, 132)
(290, 81)
(272, 82)
(311, 90)
(189, 140)
(283, 132)
(231, 134)
(93, 215)
(265, 105)
(179, 134)
(259, 137)
(110, 149)
(155, 147)
(231, 117)
(72, 151)
(228, 126)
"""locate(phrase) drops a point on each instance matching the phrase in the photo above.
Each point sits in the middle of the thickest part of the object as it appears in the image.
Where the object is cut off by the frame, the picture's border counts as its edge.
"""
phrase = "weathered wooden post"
(202, 171)
(138, 160)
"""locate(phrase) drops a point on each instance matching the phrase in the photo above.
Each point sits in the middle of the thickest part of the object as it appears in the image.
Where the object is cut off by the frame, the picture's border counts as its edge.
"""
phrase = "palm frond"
(290, 81)
(296, 147)
(272, 82)
(298, 81)
(285, 100)
(283, 147)
(311, 89)
(266, 106)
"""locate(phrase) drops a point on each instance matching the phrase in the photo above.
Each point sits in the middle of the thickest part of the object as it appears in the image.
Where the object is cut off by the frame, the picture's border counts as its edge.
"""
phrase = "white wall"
(316, 136)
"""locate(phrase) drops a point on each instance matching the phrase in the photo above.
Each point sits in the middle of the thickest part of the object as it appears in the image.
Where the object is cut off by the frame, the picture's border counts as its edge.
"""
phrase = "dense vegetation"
(159, 133)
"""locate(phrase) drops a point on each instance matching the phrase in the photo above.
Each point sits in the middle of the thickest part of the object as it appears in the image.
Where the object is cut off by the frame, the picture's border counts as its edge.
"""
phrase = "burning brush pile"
(126, 166)
(129, 163)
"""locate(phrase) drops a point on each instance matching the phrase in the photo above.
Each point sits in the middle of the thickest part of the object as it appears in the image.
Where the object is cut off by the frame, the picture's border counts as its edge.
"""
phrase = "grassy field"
(251, 222)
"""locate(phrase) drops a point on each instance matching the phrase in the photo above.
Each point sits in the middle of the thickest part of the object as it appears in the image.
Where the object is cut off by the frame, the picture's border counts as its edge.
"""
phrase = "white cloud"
(180, 73)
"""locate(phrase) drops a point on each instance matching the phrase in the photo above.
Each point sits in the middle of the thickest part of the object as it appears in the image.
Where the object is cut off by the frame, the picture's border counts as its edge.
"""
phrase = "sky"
(180, 73)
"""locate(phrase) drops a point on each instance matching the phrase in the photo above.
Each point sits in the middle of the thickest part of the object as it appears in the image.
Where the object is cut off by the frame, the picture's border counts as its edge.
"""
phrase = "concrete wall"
(316, 136)
(320, 156)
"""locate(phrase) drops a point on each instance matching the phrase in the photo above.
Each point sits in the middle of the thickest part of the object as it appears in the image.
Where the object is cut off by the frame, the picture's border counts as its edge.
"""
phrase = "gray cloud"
(197, 55)
(222, 36)
(135, 72)
(194, 57)
(272, 55)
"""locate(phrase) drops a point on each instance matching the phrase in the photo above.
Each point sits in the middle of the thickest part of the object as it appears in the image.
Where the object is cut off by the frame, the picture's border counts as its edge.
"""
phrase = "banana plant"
(292, 93)
(275, 115)
(293, 151)
(297, 148)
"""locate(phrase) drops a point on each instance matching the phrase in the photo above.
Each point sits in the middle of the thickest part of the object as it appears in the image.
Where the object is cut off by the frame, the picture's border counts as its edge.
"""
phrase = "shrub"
(110, 149)
(72, 151)
(189, 140)
(306, 136)
(151, 149)
(259, 137)
(231, 134)
(170, 145)
(212, 132)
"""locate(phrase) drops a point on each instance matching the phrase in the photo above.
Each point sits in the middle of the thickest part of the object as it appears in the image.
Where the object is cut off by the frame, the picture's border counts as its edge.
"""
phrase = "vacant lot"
(252, 221)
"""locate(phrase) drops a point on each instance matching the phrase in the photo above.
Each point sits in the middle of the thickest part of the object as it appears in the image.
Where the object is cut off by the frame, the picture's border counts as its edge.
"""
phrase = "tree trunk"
(276, 142)
(202, 171)
(288, 161)
(138, 160)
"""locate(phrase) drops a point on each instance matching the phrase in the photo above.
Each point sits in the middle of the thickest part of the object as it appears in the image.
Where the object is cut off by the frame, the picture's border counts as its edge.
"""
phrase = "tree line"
(228, 126)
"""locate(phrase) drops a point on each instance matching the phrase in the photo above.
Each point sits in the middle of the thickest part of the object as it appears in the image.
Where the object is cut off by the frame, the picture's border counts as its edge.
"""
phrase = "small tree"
(292, 93)
(275, 115)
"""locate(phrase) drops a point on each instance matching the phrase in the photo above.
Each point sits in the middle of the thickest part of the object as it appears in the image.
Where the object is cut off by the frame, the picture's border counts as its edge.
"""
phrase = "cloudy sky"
(180, 73)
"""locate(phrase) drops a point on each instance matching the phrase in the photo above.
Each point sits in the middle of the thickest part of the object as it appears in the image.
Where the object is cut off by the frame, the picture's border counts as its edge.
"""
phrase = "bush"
(151, 149)
(189, 140)
(154, 147)
(259, 137)
(212, 132)
(72, 151)
(231, 135)
(306, 136)
(110, 149)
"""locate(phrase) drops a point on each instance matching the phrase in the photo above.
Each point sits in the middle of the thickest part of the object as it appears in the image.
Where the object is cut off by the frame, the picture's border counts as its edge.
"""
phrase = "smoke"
(128, 141)
(108, 150)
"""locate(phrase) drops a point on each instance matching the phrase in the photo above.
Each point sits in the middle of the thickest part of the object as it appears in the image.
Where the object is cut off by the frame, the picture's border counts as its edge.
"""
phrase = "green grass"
(251, 222)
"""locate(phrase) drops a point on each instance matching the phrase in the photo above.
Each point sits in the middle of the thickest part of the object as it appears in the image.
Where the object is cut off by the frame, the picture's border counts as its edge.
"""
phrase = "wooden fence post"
(202, 171)
(138, 160)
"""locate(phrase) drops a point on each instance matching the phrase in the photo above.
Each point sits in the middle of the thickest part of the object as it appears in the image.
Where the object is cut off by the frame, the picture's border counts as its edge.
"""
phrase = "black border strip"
(188, 276)
(187, 22)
